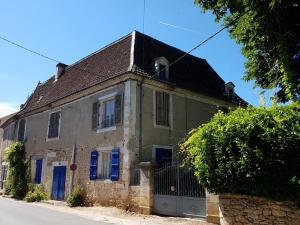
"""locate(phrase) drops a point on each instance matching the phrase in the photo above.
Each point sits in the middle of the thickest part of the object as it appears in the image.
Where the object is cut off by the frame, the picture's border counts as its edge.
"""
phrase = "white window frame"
(59, 124)
(170, 147)
(101, 100)
(163, 61)
(24, 128)
(170, 127)
(101, 150)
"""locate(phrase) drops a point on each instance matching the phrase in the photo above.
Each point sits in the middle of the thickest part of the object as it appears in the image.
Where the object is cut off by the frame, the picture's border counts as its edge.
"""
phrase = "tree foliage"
(251, 151)
(269, 32)
(17, 181)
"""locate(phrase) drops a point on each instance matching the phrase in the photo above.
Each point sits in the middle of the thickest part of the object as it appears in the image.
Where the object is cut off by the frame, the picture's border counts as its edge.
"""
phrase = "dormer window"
(162, 68)
(229, 89)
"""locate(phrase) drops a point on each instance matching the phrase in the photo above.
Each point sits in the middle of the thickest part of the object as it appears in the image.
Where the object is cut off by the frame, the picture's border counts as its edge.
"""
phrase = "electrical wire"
(204, 41)
(29, 50)
(171, 64)
(144, 11)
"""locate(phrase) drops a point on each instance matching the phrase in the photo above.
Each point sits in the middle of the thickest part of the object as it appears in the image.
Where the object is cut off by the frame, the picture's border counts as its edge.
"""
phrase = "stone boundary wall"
(243, 209)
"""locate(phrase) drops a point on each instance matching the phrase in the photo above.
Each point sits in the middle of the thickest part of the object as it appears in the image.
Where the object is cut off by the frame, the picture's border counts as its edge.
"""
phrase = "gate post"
(146, 185)
(212, 208)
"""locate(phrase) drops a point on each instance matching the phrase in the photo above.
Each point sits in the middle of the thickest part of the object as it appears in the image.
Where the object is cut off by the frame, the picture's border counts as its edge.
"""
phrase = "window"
(162, 73)
(4, 171)
(107, 115)
(162, 108)
(54, 124)
(162, 68)
(105, 164)
(21, 130)
(107, 111)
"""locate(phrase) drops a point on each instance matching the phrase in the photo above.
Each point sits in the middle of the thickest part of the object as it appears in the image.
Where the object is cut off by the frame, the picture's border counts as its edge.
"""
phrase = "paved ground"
(14, 212)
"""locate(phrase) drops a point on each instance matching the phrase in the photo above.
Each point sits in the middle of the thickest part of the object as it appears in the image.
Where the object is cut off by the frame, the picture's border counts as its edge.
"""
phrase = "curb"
(55, 203)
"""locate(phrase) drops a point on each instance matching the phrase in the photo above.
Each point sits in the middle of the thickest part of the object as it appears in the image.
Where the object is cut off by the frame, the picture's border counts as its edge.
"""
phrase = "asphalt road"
(14, 212)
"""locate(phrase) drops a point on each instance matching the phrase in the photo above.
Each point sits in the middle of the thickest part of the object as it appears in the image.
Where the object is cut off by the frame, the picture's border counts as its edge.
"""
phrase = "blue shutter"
(94, 165)
(115, 162)
(38, 171)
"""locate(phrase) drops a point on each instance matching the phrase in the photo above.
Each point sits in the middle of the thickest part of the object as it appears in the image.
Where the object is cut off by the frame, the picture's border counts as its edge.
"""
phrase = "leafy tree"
(269, 32)
(252, 151)
(17, 181)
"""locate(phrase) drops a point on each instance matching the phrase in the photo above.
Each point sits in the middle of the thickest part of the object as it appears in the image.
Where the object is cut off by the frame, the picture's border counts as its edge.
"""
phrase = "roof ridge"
(168, 45)
(132, 47)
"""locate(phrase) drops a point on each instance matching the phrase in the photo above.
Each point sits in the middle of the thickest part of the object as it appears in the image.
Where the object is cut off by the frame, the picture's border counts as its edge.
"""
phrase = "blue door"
(163, 156)
(38, 171)
(58, 183)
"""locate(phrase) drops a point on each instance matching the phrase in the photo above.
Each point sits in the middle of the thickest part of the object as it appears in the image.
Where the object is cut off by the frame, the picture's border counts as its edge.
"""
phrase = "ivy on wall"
(17, 181)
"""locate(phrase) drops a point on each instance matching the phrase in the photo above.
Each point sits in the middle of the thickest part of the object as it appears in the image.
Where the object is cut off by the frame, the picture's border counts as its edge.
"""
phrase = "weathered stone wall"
(76, 128)
(142, 195)
(243, 209)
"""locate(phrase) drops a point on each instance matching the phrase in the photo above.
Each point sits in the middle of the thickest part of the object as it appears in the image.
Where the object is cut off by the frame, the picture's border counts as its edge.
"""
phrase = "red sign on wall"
(73, 167)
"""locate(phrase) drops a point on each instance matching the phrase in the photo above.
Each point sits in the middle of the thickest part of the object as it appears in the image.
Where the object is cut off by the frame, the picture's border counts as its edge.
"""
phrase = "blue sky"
(69, 30)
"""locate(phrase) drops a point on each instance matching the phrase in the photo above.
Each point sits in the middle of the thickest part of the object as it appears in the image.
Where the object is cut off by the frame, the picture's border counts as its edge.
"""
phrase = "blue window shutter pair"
(115, 164)
(94, 165)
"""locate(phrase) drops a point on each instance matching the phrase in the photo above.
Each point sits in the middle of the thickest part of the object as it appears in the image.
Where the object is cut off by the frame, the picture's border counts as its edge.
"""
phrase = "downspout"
(72, 172)
(141, 121)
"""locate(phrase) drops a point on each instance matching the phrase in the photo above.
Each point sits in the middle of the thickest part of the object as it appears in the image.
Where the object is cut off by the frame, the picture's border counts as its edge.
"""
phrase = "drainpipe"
(72, 172)
(141, 121)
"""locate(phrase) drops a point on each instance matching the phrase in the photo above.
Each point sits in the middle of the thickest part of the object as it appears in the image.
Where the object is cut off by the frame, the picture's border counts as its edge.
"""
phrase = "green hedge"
(254, 151)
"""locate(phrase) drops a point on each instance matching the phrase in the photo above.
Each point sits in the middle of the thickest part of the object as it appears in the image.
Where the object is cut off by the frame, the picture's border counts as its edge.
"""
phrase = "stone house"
(104, 122)
(6, 138)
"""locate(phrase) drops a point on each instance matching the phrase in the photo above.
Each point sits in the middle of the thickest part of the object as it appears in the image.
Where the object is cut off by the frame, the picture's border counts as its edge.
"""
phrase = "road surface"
(14, 212)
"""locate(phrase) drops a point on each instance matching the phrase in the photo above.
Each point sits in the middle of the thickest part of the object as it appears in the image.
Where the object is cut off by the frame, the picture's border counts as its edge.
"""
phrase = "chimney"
(60, 68)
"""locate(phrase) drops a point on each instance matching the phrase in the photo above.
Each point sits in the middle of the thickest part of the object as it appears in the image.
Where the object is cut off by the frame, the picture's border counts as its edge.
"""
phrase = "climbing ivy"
(17, 181)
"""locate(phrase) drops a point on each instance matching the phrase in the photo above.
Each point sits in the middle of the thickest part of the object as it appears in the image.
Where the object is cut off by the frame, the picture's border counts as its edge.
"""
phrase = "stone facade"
(243, 209)
(187, 111)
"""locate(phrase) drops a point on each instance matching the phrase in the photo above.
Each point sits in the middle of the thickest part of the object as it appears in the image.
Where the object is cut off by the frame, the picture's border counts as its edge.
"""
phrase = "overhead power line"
(29, 50)
(207, 39)
(43, 55)
(171, 64)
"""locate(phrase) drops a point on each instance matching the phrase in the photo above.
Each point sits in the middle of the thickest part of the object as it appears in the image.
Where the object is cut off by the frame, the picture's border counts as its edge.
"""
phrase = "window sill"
(52, 139)
(105, 181)
(101, 130)
(162, 127)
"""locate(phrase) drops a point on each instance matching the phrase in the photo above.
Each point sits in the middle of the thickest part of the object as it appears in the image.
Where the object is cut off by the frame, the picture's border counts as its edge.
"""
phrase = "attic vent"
(60, 68)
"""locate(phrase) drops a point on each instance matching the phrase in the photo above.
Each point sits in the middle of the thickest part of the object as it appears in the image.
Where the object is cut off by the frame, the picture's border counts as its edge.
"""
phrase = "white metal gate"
(177, 192)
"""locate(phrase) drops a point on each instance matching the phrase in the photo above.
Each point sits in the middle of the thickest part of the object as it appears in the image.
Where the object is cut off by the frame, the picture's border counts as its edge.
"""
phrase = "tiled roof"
(104, 64)
(113, 60)
(5, 118)
(190, 72)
